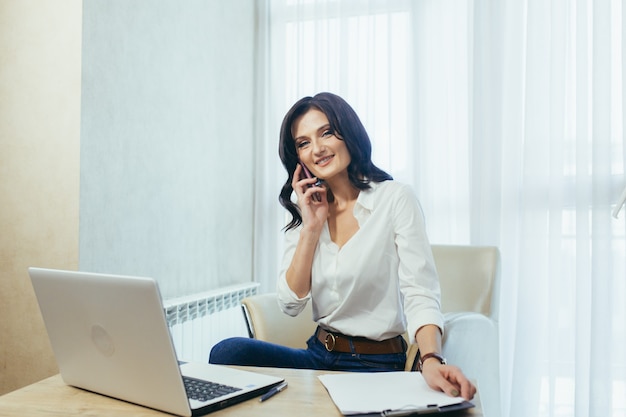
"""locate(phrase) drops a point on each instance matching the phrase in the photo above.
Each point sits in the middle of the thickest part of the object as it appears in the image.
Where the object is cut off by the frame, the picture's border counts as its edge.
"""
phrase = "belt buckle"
(332, 339)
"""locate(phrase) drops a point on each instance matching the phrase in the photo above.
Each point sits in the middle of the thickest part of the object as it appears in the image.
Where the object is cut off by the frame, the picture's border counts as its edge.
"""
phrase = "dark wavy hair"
(346, 125)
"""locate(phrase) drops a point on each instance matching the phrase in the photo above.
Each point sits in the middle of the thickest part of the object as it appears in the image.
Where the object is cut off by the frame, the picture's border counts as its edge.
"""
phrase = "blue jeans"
(253, 352)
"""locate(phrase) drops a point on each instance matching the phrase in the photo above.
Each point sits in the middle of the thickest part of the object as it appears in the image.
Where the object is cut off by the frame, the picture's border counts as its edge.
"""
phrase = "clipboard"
(464, 405)
(387, 394)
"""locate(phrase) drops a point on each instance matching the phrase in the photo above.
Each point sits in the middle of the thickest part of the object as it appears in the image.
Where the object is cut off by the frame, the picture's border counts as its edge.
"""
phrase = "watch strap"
(425, 357)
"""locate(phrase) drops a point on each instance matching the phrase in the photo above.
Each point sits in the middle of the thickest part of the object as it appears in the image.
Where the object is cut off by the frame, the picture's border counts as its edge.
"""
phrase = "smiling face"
(318, 147)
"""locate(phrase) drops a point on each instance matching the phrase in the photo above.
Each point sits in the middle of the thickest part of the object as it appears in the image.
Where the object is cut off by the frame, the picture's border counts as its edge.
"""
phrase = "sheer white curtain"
(562, 167)
(507, 119)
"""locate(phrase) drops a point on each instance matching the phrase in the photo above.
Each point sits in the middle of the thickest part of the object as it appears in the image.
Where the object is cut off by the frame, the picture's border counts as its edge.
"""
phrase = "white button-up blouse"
(383, 281)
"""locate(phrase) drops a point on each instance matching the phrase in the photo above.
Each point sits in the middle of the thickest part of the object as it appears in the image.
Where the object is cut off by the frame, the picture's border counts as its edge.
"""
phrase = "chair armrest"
(471, 342)
(411, 358)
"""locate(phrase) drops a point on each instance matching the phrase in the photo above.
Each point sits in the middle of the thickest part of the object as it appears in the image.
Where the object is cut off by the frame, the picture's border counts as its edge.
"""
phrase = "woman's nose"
(318, 148)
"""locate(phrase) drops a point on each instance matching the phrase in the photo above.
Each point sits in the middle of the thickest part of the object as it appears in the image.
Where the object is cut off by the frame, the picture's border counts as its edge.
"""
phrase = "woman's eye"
(327, 133)
(302, 144)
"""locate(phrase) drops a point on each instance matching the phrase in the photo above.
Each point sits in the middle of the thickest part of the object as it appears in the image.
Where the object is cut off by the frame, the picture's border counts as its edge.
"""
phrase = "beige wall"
(40, 61)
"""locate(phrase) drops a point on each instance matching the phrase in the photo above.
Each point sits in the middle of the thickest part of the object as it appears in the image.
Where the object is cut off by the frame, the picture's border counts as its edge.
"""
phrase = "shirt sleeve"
(419, 283)
(288, 301)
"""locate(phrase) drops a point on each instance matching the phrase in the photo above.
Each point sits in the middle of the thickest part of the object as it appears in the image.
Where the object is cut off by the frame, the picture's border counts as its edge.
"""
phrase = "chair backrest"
(469, 277)
(267, 322)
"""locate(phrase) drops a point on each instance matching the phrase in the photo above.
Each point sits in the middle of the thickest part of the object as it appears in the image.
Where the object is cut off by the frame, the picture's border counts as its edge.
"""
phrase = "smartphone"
(307, 174)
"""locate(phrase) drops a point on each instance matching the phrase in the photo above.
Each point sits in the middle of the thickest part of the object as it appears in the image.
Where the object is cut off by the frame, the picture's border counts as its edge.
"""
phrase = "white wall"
(167, 141)
(40, 50)
(163, 159)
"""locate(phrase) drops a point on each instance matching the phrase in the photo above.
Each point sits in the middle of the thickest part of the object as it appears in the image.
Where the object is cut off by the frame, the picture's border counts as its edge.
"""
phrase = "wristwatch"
(424, 358)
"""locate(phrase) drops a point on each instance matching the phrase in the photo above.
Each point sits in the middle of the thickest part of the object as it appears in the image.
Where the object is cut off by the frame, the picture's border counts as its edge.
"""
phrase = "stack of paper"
(375, 392)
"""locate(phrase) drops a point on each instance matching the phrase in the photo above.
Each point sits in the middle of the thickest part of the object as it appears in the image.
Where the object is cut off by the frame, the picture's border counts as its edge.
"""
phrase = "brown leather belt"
(337, 342)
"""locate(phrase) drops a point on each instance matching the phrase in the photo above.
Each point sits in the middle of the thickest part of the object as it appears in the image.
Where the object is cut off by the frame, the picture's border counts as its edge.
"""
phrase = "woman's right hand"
(311, 200)
(314, 213)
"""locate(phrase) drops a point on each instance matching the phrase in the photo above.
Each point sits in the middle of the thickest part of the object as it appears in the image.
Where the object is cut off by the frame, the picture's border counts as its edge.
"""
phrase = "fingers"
(463, 386)
(468, 390)
(297, 174)
(463, 389)
(312, 193)
(452, 389)
(307, 188)
(451, 381)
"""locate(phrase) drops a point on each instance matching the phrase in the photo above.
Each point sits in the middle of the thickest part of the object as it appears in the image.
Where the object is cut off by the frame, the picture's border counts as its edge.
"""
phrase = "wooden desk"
(306, 396)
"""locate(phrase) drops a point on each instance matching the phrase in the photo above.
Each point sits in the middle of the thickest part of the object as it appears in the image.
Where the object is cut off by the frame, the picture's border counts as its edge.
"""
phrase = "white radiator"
(199, 321)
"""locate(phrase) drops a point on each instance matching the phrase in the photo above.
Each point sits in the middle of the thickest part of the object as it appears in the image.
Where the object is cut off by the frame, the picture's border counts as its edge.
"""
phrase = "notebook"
(110, 336)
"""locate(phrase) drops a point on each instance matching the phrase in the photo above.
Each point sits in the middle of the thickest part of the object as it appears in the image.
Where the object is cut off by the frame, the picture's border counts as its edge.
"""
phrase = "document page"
(375, 392)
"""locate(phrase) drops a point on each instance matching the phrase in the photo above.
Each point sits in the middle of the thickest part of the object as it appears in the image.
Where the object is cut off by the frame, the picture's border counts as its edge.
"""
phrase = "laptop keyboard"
(200, 390)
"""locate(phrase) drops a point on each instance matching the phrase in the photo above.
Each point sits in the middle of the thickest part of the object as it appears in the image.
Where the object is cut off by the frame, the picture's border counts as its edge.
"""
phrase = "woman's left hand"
(449, 379)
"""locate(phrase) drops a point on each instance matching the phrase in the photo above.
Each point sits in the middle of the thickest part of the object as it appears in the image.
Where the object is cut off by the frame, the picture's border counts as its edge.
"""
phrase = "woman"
(356, 248)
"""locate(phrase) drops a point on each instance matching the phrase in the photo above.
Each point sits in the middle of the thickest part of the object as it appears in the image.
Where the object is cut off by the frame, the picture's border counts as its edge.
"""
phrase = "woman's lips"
(324, 161)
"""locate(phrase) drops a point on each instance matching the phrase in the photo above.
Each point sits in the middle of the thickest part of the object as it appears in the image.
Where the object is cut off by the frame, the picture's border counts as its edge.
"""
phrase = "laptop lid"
(110, 336)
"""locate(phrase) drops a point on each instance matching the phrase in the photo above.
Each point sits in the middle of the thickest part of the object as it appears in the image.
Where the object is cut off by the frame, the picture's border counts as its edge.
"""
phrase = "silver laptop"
(110, 336)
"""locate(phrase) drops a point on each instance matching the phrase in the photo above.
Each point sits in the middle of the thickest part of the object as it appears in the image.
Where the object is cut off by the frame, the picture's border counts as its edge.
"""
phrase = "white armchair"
(469, 277)
(470, 283)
